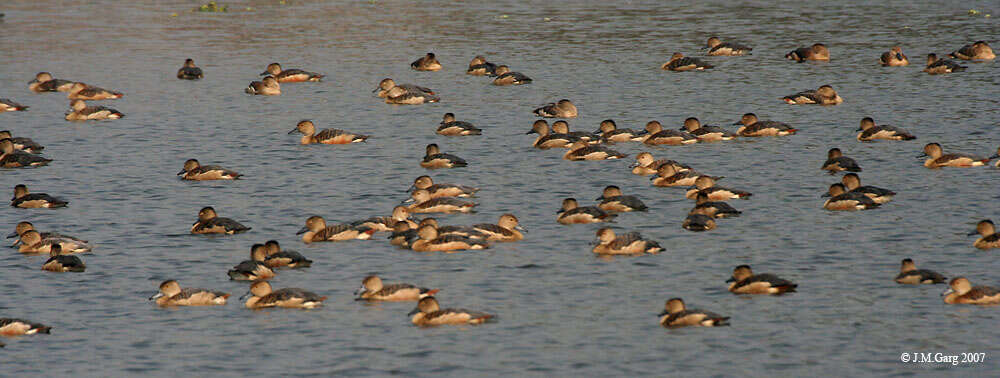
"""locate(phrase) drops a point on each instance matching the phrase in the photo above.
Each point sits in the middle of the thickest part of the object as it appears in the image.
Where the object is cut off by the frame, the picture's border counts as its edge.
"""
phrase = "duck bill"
(824, 195)
(408, 200)
(946, 292)
(531, 132)
(519, 228)
(360, 290)
(601, 198)
(183, 171)
(411, 188)
(12, 234)
(244, 296)
(155, 296)
(303, 230)
(414, 312)
(973, 233)
(923, 155)
(293, 131)
(664, 312)
(264, 73)
(376, 89)
(731, 280)
(994, 156)
(737, 123)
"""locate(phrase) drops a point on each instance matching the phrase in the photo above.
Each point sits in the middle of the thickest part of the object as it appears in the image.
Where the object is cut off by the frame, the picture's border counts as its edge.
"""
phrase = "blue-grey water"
(561, 310)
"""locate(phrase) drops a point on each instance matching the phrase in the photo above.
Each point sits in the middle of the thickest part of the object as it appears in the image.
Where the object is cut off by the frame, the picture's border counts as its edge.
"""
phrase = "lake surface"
(561, 310)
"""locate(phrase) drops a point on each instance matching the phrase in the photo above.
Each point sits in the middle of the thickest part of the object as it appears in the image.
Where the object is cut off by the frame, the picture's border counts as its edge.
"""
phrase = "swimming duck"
(79, 111)
(629, 243)
(817, 51)
(506, 229)
(679, 62)
(428, 313)
(479, 67)
(22, 143)
(253, 269)
(708, 133)
(189, 71)
(961, 291)
(31, 241)
(744, 281)
(909, 274)
(262, 296)
(442, 190)
(580, 150)
(836, 162)
(571, 213)
(430, 241)
(278, 258)
(980, 50)
(44, 82)
(26, 200)
(211, 223)
(715, 46)
(677, 315)
(197, 172)
(609, 131)
(403, 235)
(668, 175)
(706, 185)
(841, 199)
(869, 131)
(939, 159)
(81, 91)
(449, 126)
(268, 86)
(171, 294)
(645, 164)
(547, 140)
(372, 289)
(387, 84)
(8, 105)
(562, 109)
(613, 201)
(893, 58)
(434, 159)
(750, 126)
(989, 238)
(464, 231)
(825, 95)
(17, 327)
(426, 63)
(853, 183)
(316, 230)
(714, 209)
(424, 203)
(62, 263)
(507, 77)
(941, 66)
(23, 227)
(698, 222)
(562, 127)
(12, 158)
(290, 75)
(405, 94)
(325, 136)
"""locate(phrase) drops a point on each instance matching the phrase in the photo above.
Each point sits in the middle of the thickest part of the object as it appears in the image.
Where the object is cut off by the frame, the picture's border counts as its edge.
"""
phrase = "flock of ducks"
(427, 235)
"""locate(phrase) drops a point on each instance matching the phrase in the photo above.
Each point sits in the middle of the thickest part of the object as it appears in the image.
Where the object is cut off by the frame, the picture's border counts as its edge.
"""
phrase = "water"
(561, 310)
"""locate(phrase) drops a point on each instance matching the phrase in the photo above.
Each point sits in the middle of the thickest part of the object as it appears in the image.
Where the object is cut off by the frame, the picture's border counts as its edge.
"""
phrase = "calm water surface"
(561, 310)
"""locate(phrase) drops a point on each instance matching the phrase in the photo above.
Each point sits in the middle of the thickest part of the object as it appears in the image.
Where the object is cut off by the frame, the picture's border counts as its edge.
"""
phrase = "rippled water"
(561, 310)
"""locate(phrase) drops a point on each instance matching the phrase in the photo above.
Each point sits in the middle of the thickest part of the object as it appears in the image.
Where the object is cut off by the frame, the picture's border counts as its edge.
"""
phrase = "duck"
(937, 66)
(27, 200)
(442, 189)
(744, 281)
(562, 109)
(893, 58)
(387, 84)
(17, 327)
(817, 51)
(253, 269)
(939, 159)
(44, 82)
(841, 199)
(463, 231)
(706, 133)
(961, 291)
(403, 235)
(716, 47)
(429, 313)
(426, 63)
(676, 315)
(450, 127)
(870, 132)
(825, 95)
(82, 91)
(980, 50)
(645, 164)
(836, 162)
(698, 222)
(58, 262)
(751, 126)
(609, 131)
(678, 62)
(507, 229)
(424, 203)
(316, 230)
(657, 135)
(562, 127)
(189, 71)
(853, 184)
(714, 209)
(22, 143)
(290, 75)
(25, 226)
(572, 213)
(909, 274)
(211, 223)
(668, 175)
(400, 214)
(434, 159)
(31, 241)
(13, 158)
(580, 150)
(613, 201)
(193, 170)
(988, 236)
(430, 241)
(629, 243)
(278, 258)
(504, 76)
(405, 94)
(171, 294)
(547, 140)
(79, 111)
(8, 105)
(706, 185)
(372, 289)
(268, 86)
(325, 136)
(479, 67)
(261, 295)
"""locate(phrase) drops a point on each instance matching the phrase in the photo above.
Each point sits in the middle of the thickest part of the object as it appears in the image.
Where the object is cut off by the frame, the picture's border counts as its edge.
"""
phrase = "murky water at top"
(561, 310)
